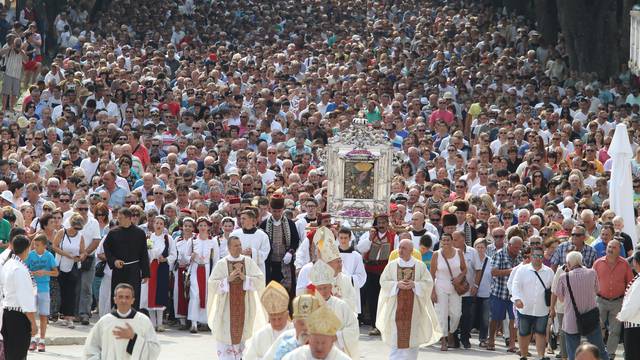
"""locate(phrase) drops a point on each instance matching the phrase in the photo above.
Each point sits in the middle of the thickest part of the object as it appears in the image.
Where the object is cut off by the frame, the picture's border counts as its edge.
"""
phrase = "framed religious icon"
(359, 165)
(358, 180)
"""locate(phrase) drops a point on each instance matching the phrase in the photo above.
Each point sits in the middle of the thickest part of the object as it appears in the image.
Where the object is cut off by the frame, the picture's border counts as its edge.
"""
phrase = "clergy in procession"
(352, 263)
(283, 240)
(275, 300)
(324, 326)
(406, 316)
(292, 339)
(255, 242)
(323, 279)
(420, 227)
(125, 248)
(304, 223)
(375, 247)
(329, 253)
(307, 251)
(233, 307)
(124, 333)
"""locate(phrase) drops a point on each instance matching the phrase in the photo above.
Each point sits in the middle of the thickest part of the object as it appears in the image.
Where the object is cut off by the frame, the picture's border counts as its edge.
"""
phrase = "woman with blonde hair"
(487, 201)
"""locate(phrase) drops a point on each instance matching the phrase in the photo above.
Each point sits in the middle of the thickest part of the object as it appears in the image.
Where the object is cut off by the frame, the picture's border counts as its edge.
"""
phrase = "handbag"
(547, 292)
(460, 284)
(588, 321)
(87, 263)
(553, 338)
(100, 268)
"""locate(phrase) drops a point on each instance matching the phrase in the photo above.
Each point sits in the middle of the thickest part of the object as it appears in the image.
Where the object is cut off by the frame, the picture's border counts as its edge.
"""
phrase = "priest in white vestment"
(233, 308)
(275, 300)
(406, 317)
(329, 253)
(255, 242)
(124, 334)
(292, 339)
(323, 280)
(323, 329)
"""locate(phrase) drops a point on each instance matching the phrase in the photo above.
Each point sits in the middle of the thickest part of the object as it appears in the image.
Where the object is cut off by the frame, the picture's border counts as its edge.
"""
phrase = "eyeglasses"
(100, 214)
(82, 209)
(577, 234)
(158, 193)
(537, 256)
(65, 200)
(130, 202)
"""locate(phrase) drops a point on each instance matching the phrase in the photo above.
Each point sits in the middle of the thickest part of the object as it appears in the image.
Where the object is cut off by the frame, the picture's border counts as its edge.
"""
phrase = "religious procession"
(320, 179)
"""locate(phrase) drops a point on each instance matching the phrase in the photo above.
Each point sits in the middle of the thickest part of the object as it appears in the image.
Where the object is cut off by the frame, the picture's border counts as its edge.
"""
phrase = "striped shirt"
(584, 284)
(589, 255)
(13, 61)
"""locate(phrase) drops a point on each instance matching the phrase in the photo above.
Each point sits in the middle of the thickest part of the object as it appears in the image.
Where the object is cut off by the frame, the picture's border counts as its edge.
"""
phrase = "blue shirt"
(116, 198)
(601, 248)
(45, 262)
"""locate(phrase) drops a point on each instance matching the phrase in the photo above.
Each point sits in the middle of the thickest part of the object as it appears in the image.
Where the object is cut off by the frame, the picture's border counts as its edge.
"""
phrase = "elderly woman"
(629, 315)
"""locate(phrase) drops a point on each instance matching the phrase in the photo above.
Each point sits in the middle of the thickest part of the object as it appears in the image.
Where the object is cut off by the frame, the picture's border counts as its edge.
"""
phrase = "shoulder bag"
(484, 266)
(547, 292)
(588, 321)
(460, 283)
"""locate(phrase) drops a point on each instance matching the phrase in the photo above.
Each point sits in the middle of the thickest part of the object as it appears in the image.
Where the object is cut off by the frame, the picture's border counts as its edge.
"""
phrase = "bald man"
(405, 296)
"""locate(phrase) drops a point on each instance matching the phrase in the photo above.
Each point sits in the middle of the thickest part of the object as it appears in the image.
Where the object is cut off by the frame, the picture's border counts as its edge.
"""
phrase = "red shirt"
(143, 154)
(445, 115)
(612, 280)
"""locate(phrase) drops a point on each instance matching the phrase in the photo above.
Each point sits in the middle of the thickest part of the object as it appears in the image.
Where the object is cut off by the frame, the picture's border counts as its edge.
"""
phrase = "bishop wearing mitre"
(275, 300)
(233, 302)
(323, 280)
(406, 317)
(329, 252)
(323, 328)
(292, 339)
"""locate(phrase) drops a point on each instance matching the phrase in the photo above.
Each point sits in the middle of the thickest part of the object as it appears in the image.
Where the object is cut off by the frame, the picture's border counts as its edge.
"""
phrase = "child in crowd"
(42, 265)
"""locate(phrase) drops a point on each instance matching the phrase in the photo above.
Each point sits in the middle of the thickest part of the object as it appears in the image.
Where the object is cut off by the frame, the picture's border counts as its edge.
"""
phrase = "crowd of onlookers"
(189, 109)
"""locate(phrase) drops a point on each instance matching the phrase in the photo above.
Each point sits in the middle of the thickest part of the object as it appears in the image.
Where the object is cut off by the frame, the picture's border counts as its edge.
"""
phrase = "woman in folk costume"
(228, 225)
(155, 292)
(183, 246)
(233, 304)
(205, 253)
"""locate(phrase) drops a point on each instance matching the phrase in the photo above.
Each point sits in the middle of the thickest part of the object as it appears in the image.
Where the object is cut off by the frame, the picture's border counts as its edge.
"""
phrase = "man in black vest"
(284, 240)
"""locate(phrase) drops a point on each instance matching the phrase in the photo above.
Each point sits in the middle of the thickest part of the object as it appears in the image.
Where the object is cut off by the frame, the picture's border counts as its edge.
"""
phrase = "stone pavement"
(67, 344)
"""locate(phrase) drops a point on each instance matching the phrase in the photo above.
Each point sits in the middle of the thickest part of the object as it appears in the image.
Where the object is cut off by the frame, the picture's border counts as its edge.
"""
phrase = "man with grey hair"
(577, 243)
(578, 288)
(500, 301)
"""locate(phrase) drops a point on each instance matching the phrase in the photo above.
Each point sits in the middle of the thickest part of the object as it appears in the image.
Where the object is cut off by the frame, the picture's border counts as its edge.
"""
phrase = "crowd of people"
(164, 157)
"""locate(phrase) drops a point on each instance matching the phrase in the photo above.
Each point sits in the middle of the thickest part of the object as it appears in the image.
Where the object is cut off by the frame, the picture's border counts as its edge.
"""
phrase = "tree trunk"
(547, 25)
(591, 34)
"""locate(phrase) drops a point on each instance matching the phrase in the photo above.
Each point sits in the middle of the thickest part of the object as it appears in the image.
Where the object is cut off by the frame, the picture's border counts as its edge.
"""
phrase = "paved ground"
(183, 345)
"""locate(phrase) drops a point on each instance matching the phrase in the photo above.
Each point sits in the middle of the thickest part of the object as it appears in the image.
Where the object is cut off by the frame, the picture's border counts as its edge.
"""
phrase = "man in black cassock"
(126, 250)
(284, 240)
